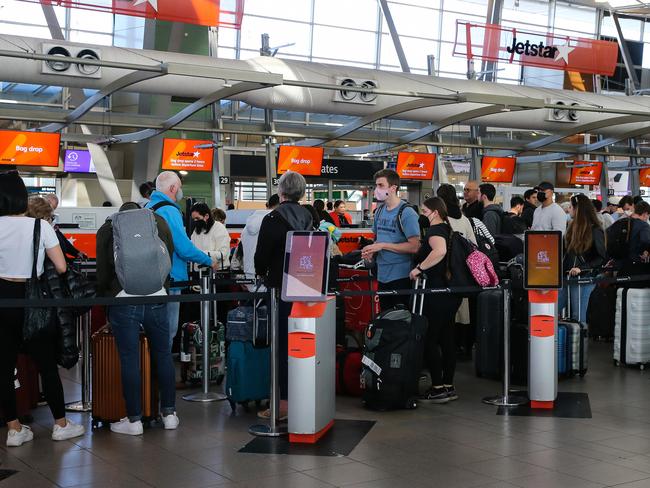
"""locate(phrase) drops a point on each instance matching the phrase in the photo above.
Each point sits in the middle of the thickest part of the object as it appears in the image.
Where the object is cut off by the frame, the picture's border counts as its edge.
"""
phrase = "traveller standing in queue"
(440, 310)
(584, 254)
(549, 215)
(163, 202)
(340, 215)
(397, 232)
(269, 262)
(16, 261)
(492, 212)
(126, 321)
(530, 205)
(69, 251)
(472, 208)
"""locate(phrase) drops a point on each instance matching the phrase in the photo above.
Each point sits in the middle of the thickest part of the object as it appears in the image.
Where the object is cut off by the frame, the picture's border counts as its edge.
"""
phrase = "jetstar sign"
(224, 13)
(543, 50)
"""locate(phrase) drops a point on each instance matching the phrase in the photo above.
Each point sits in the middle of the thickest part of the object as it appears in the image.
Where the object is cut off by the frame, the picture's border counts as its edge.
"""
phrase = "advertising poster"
(586, 173)
(415, 165)
(304, 160)
(543, 259)
(644, 177)
(182, 154)
(29, 148)
(497, 170)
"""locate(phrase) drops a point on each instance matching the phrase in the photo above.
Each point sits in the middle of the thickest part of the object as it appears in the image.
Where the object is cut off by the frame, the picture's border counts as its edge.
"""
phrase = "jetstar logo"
(532, 49)
(187, 154)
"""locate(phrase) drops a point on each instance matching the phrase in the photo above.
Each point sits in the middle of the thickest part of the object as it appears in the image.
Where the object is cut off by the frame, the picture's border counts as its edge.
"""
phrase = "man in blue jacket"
(163, 202)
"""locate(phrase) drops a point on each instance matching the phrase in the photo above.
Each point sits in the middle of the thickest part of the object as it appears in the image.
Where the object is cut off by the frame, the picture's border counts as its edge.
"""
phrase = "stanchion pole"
(83, 405)
(206, 395)
(506, 399)
(273, 429)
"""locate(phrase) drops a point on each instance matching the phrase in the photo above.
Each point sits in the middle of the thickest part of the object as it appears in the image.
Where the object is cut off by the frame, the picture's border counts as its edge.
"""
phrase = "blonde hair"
(39, 208)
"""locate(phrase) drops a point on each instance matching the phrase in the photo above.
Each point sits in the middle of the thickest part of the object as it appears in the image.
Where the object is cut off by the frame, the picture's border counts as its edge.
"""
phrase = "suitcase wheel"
(411, 403)
(616, 363)
(642, 367)
(233, 405)
(95, 424)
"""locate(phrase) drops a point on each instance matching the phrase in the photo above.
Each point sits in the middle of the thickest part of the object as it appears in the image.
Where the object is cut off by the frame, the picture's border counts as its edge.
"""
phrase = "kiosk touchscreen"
(543, 258)
(306, 267)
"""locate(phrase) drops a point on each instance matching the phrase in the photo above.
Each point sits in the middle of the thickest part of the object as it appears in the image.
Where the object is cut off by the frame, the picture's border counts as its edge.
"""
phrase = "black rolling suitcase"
(577, 340)
(601, 312)
(393, 356)
(488, 355)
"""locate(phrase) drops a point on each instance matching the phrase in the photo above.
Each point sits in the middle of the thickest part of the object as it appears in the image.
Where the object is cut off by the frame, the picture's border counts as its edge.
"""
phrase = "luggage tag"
(373, 366)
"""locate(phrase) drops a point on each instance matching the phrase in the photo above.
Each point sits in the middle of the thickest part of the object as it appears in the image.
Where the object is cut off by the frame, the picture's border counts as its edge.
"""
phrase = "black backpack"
(618, 238)
(458, 249)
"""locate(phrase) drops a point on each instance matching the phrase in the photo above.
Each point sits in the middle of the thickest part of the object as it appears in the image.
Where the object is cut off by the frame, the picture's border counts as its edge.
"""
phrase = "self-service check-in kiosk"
(543, 277)
(312, 336)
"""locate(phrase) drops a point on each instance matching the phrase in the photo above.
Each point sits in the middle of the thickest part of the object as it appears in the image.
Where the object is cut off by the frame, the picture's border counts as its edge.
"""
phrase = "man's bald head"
(52, 199)
(169, 183)
(471, 191)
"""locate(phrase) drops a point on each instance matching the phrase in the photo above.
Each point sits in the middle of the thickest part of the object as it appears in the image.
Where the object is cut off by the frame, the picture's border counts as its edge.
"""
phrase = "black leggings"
(42, 352)
(440, 349)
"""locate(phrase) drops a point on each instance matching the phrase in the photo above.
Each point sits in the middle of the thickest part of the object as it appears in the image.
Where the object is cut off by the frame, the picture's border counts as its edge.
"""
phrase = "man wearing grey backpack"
(163, 202)
(129, 240)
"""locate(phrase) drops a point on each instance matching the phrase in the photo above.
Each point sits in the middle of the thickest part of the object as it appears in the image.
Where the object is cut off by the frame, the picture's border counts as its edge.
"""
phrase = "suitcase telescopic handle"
(420, 284)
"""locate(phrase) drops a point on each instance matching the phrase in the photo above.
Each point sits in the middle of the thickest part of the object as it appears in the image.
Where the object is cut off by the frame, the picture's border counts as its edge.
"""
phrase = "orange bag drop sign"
(415, 166)
(497, 170)
(29, 148)
(304, 160)
(586, 175)
(182, 154)
(644, 177)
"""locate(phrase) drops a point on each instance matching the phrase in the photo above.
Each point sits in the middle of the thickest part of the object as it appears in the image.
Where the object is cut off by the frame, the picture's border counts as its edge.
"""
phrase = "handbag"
(77, 287)
(38, 321)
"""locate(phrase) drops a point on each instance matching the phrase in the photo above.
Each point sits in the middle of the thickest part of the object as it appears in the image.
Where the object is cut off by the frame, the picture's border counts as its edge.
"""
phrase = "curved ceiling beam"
(127, 80)
(185, 113)
(548, 140)
(586, 148)
(429, 129)
(392, 111)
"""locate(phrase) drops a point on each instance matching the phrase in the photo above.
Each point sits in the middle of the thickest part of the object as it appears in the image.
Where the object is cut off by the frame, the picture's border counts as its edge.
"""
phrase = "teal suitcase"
(248, 373)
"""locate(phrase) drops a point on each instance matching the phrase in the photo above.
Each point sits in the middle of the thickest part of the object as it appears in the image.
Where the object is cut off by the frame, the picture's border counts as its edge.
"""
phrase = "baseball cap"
(545, 185)
(613, 200)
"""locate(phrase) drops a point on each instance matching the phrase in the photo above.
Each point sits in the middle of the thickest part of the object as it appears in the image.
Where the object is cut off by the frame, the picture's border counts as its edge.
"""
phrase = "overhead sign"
(586, 173)
(415, 165)
(29, 148)
(78, 161)
(182, 154)
(200, 12)
(307, 161)
(644, 177)
(492, 42)
(497, 170)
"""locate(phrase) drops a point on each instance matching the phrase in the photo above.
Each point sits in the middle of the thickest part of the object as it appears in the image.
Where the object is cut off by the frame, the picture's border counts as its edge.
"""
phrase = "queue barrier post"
(273, 428)
(506, 399)
(205, 395)
(85, 404)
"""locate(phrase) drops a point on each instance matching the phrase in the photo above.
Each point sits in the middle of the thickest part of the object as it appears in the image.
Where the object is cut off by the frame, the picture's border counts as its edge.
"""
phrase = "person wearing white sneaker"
(171, 421)
(26, 238)
(128, 427)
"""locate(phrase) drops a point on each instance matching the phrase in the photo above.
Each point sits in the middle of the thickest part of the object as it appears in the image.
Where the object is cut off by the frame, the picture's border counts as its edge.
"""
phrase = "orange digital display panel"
(586, 173)
(29, 148)
(304, 160)
(543, 259)
(415, 166)
(644, 177)
(182, 154)
(497, 170)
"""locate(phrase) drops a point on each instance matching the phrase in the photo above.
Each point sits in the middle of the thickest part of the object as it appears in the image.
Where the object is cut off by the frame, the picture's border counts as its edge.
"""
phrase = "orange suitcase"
(107, 400)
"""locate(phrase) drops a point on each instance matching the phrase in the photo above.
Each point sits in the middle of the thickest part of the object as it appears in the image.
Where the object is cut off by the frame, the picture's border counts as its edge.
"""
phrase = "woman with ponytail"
(440, 310)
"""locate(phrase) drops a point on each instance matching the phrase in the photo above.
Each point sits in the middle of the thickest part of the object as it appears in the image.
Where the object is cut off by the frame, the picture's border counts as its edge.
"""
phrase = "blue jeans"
(173, 312)
(581, 294)
(126, 321)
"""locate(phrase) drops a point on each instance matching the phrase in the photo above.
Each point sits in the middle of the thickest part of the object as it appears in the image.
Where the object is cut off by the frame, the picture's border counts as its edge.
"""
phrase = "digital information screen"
(543, 260)
(306, 267)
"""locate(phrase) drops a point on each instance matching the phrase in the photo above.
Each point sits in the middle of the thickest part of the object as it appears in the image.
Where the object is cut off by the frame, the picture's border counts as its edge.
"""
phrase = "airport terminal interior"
(297, 167)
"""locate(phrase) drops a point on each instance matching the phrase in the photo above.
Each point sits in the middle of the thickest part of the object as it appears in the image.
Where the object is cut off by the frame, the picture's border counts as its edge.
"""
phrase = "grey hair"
(292, 186)
(166, 179)
(52, 199)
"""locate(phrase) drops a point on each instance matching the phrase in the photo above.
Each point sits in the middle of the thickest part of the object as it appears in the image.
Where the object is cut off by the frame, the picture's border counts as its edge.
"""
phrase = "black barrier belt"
(219, 281)
(89, 302)
(619, 280)
(456, 290)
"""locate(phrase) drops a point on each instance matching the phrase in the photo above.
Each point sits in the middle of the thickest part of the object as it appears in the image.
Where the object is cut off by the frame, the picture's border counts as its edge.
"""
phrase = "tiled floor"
(461, 444)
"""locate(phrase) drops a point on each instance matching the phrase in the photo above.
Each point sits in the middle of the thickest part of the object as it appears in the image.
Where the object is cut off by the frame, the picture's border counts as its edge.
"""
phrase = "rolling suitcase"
(191, 353)
(358, 309)
(107, 399)
(632, 329)
(601, 312)
(561, 347)
(393, 356)
(577, 340)
(248, 373)
(488, 354)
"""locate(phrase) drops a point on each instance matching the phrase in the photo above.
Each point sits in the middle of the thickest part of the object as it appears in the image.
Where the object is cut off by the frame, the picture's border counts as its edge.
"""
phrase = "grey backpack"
(142, 262)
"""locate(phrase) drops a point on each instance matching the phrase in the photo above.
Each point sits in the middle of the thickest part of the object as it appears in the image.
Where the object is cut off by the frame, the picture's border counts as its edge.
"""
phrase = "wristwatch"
(418, 267)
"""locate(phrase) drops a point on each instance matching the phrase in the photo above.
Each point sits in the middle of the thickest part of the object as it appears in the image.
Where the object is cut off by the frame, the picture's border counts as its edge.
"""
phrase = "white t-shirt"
(16, 250)
(549, 218)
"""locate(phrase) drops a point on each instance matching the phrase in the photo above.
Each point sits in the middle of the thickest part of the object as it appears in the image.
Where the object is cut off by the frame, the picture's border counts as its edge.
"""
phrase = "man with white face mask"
(163, 202)
(397, 239)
